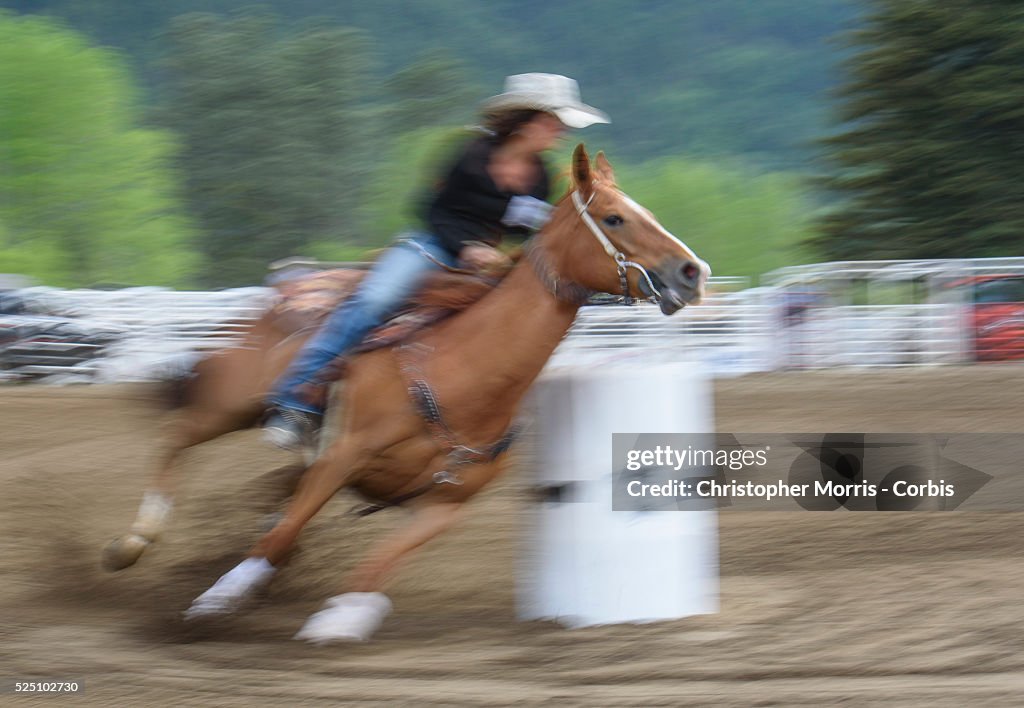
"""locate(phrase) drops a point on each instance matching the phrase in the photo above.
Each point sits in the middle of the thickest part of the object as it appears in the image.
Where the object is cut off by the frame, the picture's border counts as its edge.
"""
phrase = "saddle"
(305, 302)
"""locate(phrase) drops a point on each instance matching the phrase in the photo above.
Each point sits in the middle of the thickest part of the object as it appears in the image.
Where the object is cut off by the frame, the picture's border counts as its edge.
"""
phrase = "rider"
(498, 185)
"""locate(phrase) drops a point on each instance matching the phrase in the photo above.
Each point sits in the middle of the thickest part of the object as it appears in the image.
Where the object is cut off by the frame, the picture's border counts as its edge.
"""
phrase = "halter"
(622, 263)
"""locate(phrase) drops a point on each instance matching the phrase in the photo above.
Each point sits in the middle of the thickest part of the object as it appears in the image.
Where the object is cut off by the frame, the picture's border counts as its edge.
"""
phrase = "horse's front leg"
(327, 475)
(356, 615)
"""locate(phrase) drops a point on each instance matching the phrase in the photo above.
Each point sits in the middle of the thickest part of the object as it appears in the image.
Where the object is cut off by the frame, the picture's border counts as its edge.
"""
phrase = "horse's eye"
(613, 220)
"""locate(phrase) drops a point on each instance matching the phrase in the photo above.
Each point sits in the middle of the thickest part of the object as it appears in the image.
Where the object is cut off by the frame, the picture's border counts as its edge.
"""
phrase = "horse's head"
(601, 239)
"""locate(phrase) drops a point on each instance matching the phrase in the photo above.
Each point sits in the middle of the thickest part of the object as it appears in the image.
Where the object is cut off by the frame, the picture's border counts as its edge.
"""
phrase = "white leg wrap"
(352, 617)
(154, 511)
(232, 589)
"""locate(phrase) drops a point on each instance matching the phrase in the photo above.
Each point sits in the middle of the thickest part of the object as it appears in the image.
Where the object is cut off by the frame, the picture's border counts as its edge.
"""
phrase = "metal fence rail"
(800, 323)
(873, 336)
(118, 335)
(731, 334)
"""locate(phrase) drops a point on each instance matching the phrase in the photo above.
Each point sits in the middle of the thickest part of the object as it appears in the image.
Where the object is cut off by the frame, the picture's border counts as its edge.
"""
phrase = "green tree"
(422, 104)
(677, 76)
(434, 90)
(407, 172)
(86, 194)
(740, 222)
(276, 136)
(929, 158)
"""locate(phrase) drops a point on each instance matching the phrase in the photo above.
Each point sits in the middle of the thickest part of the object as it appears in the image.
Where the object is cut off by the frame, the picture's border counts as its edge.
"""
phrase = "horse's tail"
(177, 383)
(185, 380)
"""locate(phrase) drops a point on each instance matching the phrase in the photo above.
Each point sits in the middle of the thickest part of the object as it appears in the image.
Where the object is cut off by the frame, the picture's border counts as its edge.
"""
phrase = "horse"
(425, 424)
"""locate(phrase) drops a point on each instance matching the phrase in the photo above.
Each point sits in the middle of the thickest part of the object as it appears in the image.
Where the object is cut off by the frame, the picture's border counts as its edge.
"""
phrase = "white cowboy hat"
(551, 93)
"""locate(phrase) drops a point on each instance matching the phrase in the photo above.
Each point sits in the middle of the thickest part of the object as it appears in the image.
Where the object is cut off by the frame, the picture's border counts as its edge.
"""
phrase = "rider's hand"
(527, 211)
(481, 257)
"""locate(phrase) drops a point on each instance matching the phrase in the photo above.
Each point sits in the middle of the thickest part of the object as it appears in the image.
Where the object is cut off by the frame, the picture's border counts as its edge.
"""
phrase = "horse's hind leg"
(224, 400)
(356, 615)
(158, 499)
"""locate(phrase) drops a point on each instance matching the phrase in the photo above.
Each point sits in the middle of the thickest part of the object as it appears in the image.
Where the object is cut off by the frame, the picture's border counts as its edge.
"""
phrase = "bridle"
(622, 262)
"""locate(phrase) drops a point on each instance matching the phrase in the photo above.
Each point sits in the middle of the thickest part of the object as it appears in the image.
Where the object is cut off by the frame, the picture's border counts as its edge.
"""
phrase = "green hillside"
(678, 76)
(305, 127)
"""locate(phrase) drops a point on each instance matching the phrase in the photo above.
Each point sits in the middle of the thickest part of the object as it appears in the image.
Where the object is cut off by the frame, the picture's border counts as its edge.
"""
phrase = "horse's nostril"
(689, 273)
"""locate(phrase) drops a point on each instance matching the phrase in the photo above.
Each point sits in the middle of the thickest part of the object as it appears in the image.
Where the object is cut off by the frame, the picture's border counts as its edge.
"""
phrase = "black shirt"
(468, 205)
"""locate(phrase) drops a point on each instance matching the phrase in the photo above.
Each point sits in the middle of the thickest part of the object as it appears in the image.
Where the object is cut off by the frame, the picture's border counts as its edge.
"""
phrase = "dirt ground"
(859, 609)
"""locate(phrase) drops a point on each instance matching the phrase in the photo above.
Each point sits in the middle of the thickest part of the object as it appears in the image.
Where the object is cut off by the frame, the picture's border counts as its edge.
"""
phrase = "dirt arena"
(859, 609)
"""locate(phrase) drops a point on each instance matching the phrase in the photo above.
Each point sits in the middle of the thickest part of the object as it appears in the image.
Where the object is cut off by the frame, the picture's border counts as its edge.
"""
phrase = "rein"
(430, 257)
(564, 291)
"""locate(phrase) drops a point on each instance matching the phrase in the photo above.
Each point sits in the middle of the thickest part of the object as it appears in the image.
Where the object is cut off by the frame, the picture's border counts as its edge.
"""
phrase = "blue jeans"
(396, 275)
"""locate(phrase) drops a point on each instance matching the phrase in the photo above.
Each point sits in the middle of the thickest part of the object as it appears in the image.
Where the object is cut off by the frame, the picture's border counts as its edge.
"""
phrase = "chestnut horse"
(472, 369)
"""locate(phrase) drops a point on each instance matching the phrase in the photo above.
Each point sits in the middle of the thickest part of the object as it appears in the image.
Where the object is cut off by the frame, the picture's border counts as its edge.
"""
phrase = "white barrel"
(586, 564)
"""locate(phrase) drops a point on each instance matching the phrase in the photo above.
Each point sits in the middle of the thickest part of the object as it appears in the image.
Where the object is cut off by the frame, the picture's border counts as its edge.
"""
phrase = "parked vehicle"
(997, 317)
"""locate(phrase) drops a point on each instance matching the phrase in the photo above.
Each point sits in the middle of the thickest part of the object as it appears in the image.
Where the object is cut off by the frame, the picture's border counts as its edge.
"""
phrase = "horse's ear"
(581, 174)
(604, 168)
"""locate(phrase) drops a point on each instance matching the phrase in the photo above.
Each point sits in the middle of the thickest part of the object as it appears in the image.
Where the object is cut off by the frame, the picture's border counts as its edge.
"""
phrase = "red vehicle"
(997, 317)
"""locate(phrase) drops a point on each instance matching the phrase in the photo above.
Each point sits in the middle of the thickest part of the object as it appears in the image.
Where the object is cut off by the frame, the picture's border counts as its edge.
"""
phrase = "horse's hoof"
(352, 617)
(124, 551)
(208, 605)
(232, 590)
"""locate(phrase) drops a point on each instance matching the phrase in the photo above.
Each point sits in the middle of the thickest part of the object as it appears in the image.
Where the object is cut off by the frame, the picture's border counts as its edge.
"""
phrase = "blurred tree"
(276, 134)
(86, 195)
(930, 159)
(434, 90)
(422, 104)
(407, 174)
(741, 222)
(706, 78)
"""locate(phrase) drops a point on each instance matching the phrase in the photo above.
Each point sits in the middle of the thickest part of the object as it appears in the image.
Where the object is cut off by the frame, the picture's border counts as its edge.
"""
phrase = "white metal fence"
(872, 336)
(799, 323)
(119, 335)
(731, 335)
(890, 313)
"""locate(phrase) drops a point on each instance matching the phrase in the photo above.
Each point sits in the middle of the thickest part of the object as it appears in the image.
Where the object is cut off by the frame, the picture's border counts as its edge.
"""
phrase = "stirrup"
(292, 429)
